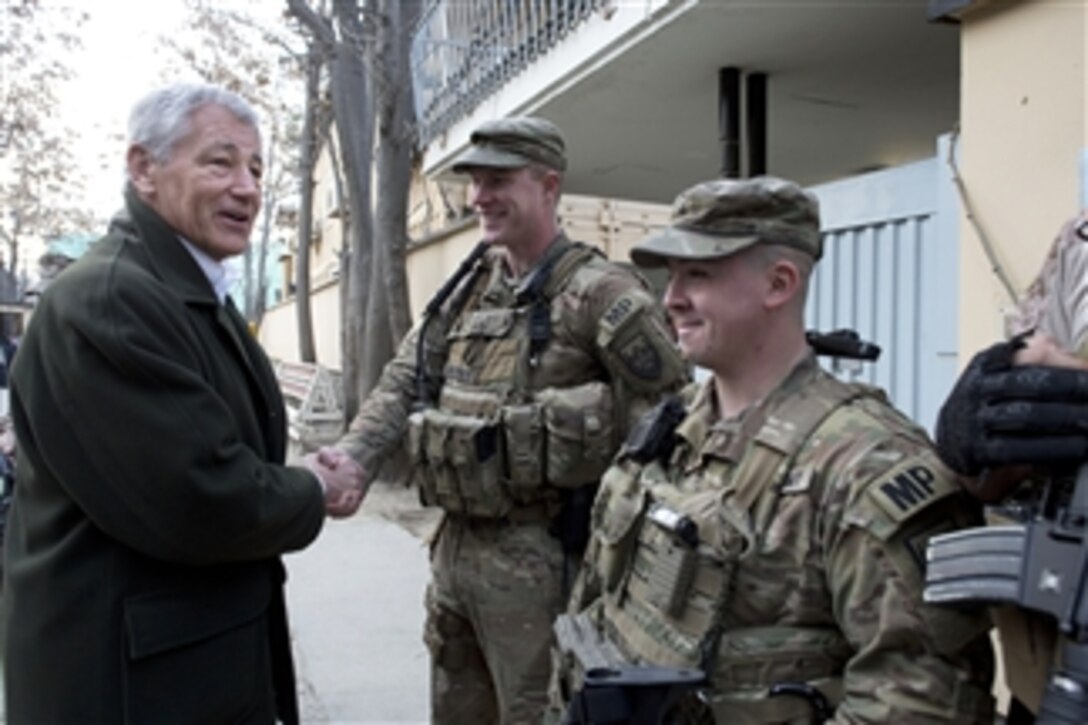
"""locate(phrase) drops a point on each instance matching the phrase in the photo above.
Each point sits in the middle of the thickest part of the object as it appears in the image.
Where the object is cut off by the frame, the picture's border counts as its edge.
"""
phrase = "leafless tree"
(41, 188)
(366, 48)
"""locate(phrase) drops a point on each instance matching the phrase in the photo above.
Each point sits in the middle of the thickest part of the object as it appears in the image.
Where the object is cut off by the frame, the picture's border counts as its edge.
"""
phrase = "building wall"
(429, 264)
(327, 239)
(1021, 151)
(279, 329)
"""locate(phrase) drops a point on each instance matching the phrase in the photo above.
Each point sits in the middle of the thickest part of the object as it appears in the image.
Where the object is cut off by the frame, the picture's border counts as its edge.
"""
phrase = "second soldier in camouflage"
(796, 583)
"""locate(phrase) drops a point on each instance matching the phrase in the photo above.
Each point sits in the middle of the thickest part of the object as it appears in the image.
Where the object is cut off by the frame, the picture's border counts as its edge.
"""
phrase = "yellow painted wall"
(1023, 117)
(429, 265)
(328, 239)
(279, 329)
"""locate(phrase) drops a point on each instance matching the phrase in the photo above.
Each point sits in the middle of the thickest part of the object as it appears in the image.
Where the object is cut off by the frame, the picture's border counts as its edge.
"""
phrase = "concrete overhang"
(853, 85)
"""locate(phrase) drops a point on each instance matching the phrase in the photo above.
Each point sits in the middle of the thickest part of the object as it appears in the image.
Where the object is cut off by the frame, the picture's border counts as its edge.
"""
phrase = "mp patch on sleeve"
(909, 488)
(616, 315)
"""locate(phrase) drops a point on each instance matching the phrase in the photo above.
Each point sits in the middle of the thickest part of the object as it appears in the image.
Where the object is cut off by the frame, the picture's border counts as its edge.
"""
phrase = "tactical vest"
(668, 591)
(490, 446)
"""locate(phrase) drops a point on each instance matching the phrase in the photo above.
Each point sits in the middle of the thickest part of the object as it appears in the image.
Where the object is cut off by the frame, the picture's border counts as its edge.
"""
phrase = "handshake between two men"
(345, 481)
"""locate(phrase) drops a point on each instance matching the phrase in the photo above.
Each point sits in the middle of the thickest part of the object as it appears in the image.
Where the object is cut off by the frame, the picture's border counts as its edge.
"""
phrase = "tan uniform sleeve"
(1065, 312)
(913, 662)
(379, 426)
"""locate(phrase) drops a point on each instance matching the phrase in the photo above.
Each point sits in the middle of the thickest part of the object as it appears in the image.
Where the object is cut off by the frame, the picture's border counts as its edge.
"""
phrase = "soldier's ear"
(550, 180)
(783, 283)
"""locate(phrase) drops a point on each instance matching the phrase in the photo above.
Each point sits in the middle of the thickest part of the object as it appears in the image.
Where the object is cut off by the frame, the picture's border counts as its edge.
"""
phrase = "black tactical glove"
(1000, 415)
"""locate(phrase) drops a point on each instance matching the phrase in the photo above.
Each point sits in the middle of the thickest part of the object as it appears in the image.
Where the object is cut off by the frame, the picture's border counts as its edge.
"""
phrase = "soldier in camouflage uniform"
(775, 539)
(513, 394)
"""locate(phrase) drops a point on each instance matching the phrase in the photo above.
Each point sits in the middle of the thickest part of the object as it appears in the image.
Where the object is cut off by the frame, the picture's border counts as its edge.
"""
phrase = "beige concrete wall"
(430, 264)
(279, 329)
(1023, 136)
(327, 240)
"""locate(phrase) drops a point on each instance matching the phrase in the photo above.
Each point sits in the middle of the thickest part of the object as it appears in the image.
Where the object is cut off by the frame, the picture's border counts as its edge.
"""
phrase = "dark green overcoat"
(142, 575)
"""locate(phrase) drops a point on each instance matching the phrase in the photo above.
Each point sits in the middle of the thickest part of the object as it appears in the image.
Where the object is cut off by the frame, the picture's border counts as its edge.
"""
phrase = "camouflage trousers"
(494, 593)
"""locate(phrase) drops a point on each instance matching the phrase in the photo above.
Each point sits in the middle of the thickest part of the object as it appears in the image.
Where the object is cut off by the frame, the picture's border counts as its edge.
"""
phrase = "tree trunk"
(352, 109)
(350, 394)
(396, 144)
(306, 347)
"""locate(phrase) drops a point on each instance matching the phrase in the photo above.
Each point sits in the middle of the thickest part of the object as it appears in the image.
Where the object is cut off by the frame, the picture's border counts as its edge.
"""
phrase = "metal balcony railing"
(465, 50)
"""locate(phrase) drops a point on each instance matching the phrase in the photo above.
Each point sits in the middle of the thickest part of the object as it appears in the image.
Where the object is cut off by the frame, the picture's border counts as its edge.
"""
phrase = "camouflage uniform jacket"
(604, 327)
(809, 566)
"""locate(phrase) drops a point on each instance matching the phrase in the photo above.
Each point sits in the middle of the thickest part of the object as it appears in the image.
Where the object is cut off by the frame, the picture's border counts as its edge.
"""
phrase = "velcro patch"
(909, 488)
(620, 311)
(641, 358)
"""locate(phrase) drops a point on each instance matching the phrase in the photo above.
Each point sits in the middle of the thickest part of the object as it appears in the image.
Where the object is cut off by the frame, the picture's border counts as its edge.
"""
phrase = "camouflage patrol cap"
(511, 143)
(717, 218)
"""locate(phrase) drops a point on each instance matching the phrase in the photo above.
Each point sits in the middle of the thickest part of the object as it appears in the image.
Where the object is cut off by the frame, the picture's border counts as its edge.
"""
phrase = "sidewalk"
(355, 601)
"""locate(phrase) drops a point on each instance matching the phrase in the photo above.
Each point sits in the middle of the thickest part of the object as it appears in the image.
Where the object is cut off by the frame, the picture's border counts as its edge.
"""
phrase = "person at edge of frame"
(774, 537)
(1048, 329)
(513, 393)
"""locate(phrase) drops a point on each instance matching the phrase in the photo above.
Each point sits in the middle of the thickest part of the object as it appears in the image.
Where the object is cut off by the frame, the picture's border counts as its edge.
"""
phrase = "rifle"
(842, 343)
(631, 695)
(1039, 564)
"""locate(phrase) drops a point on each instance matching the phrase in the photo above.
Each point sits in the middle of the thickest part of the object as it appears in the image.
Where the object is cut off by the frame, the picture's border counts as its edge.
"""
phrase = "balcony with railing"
(465, 50)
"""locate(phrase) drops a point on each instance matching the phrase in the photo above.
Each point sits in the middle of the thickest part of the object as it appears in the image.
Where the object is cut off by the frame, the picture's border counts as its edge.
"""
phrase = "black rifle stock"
(842, 343)
(630, 694)
(1038, 564)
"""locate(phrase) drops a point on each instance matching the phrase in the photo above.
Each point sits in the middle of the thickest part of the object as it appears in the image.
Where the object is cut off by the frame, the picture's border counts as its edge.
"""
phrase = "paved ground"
(355, 599)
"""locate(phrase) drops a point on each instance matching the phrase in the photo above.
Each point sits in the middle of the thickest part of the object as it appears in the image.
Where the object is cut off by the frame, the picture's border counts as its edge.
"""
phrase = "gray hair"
(162, 118)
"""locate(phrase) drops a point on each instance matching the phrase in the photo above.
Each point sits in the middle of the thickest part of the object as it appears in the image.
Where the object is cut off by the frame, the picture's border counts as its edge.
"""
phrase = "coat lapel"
(172, 263)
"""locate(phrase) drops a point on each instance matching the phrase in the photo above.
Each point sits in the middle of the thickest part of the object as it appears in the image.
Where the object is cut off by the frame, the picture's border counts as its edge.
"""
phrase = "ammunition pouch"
(778, 674)
(523, 434)
(460, 465)
(579, 433)
(486, 462)
(563, 438)
(617, 519)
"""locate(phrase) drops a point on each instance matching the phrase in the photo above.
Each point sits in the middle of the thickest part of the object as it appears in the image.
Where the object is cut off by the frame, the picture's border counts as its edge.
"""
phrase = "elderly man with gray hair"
(143, 580)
